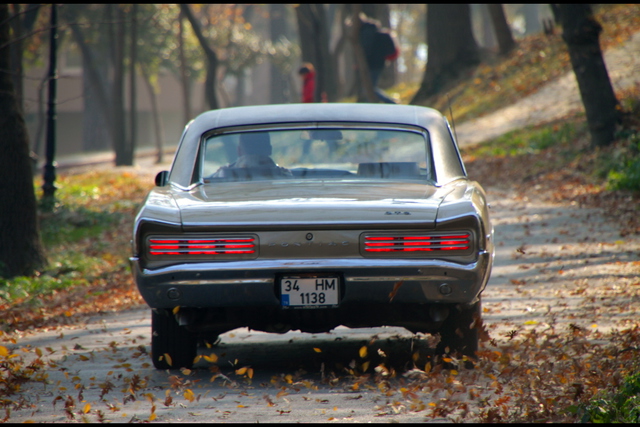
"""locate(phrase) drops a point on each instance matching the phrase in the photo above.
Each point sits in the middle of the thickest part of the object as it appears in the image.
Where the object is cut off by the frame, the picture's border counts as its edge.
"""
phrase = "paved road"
(555, 265)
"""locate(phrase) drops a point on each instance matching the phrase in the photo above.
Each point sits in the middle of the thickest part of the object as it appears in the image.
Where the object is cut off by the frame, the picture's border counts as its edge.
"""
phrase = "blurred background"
(153, 65)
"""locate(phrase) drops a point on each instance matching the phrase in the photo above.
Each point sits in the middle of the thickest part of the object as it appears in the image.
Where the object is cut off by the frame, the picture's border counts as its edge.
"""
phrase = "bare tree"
(22, 23)
(314, 44)
(210, 54)
(277, 27)
(452, 48)
(581, 32)
(501, 27)
(21, 251)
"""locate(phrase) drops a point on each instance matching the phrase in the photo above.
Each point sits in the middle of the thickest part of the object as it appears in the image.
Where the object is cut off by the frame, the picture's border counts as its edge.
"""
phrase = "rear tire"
(459, 333)
(170, 339)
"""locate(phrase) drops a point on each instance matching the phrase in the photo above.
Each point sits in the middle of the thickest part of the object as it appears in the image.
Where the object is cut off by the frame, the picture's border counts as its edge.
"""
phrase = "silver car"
(310, 216)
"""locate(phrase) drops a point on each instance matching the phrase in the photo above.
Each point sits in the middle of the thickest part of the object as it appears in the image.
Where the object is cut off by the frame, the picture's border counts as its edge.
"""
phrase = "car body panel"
(422, 242)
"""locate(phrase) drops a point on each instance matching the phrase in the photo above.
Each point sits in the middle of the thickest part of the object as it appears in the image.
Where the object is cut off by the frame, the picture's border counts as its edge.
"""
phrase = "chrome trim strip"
(316, 264)
(397, 279)
(222, 282)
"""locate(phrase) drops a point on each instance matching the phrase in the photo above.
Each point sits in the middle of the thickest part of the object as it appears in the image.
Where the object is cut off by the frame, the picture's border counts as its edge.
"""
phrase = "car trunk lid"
(288, 205)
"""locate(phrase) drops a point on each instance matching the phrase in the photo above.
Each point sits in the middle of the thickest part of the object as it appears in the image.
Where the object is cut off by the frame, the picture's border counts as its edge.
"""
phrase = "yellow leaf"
(67, 313)
(176, 309)
(241, 406)
(531, 322)
(188, 394)
(212, 358)
(167, 357)
(365, 366)
(3, 351)
(250, 372)
(289, 378)
(317, 350)
(38, 352)
(241, 371)
(447, 360)
(427, 367)
(363, 351)
(86, 408)
(152, 416)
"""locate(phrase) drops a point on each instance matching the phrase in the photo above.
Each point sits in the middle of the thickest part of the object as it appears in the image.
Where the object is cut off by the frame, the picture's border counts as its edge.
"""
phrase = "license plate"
(309, 291)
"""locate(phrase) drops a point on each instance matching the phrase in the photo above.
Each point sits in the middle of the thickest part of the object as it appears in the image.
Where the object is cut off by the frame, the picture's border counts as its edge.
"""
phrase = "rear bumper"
(364, 281)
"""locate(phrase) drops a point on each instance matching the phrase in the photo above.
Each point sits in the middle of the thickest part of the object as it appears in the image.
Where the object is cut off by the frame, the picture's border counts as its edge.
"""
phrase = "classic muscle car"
(310, 216)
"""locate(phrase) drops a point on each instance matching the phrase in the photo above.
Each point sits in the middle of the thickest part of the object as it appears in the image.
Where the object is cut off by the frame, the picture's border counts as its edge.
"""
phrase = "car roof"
(445, 152)
(321, 112)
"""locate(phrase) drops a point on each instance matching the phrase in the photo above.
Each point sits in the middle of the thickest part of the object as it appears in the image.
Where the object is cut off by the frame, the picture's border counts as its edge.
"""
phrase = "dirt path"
(555, 100)
(562, 263)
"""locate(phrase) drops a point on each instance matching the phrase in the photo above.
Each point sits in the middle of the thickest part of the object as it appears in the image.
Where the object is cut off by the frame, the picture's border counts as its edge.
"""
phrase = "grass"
(86, 237)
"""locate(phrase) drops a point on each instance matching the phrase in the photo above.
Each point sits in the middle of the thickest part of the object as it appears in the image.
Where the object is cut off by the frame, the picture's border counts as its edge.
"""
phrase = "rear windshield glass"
(318, 153)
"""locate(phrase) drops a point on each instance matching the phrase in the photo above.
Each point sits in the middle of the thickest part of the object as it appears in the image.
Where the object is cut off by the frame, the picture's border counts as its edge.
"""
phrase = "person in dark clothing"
(379, 47)
(254, 151)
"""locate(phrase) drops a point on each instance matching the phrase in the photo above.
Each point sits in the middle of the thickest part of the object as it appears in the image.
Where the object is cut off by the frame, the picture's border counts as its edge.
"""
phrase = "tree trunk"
(277, 26)
(501, 27)
(531, 13)
(96, 88)
(314, 44)
(124, 154)
(21, 252)
(581, 33)
(210, 54)
(488, 34)
(133, 116)
(157, 123)
(184, 77)
(452, 48)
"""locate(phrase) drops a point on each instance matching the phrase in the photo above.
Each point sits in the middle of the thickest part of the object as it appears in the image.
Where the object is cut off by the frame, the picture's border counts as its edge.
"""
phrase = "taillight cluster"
(418, 243)
(202, 246)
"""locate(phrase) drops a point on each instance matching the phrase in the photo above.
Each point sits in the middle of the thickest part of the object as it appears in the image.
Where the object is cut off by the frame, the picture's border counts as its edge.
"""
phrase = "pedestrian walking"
(379, 47)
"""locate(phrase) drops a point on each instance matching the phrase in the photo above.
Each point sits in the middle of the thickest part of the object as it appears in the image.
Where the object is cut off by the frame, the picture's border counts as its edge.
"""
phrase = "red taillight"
(418, 243)
(211, 246)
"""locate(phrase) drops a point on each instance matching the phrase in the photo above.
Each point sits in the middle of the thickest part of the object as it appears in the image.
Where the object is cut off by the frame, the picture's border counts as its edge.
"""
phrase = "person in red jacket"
(308, 74)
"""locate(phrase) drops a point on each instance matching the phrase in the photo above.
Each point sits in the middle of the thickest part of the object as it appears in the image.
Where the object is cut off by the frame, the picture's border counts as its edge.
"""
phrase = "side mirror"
(162, 178)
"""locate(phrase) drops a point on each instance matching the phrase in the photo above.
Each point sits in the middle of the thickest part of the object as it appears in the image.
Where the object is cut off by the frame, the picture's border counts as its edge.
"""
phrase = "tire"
(459, 333)
(169, 338)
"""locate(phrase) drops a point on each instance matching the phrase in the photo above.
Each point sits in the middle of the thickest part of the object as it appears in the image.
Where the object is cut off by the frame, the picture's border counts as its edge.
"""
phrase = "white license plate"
(309, 291)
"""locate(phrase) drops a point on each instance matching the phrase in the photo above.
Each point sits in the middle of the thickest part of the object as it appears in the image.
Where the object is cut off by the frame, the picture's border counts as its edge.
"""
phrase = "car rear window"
(316, 153)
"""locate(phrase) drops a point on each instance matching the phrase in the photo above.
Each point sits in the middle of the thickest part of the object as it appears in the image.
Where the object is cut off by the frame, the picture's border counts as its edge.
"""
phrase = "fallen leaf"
(363, 352)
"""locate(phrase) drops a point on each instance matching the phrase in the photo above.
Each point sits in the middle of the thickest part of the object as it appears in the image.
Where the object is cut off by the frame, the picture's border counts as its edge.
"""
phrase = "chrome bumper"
(253, 283)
